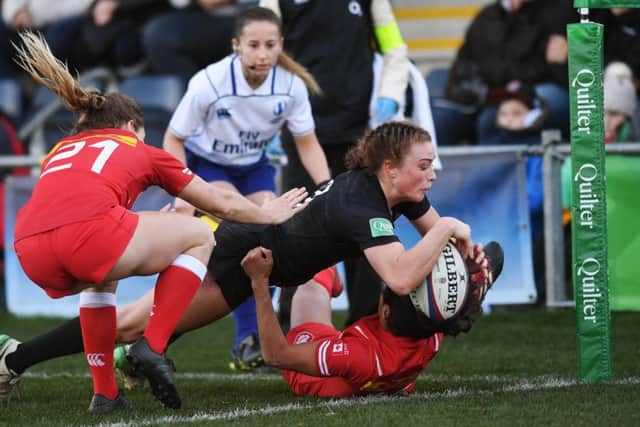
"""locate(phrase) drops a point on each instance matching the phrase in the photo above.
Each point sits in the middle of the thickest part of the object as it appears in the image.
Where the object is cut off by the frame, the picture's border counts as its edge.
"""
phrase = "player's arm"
(173, 144)
(231, 205)
(402, 270)
(273, 344)
(426, 221)
(312, 157)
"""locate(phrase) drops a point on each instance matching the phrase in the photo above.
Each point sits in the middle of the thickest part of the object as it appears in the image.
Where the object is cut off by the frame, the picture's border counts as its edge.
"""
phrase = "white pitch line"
(215, 376)
(539, 383)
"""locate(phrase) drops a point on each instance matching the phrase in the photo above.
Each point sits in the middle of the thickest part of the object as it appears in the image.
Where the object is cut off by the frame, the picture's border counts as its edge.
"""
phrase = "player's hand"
(477, 261)
(258, 264)
(462, 237)
(284, 207)
(183, 207)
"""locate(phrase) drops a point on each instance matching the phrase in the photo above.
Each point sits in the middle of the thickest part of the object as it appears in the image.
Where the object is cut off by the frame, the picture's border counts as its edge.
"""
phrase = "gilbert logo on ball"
(444, 291)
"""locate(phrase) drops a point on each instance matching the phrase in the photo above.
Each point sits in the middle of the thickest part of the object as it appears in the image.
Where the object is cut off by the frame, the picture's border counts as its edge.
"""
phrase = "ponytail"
(97, 111)
(291, 65)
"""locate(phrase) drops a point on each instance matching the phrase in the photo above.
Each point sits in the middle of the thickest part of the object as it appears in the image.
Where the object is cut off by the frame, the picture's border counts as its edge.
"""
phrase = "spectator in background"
(333, 40)
(31, 14)
(193, 36)
(620, 104)
(519, 118)
(621, 36)
(508, 40)
(110, 34)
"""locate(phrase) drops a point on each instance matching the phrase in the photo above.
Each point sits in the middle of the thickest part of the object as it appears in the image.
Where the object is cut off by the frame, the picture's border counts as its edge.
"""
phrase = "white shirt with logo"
(222, 119)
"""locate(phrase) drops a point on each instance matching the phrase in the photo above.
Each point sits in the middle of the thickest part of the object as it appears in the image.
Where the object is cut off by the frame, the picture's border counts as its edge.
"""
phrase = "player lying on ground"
(391, 172)
(381, 353)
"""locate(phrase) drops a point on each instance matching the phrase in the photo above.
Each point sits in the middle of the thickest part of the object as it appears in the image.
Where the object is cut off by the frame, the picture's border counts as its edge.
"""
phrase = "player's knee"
(204, 242)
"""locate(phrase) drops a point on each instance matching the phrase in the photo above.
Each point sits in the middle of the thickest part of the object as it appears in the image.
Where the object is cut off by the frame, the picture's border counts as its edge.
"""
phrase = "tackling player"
(77, 234)
(391, 172)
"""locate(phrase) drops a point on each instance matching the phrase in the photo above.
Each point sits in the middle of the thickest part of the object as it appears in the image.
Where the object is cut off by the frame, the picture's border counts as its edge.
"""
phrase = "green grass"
(514, 368)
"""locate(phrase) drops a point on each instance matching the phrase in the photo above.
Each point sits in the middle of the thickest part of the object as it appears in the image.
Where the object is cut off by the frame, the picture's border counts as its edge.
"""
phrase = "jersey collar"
(239, 85)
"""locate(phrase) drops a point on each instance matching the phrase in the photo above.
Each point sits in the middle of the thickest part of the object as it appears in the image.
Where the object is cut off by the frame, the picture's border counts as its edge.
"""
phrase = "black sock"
(64, 340)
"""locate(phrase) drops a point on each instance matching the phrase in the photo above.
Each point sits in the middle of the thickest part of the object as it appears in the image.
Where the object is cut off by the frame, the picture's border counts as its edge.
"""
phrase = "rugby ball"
(444, 291)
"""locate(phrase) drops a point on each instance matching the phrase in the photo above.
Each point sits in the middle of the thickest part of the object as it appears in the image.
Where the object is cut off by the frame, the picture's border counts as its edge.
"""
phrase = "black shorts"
(233, 241)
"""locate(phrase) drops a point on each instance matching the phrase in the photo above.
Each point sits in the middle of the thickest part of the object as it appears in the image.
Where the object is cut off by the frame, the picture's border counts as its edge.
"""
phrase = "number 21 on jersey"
(63, 158)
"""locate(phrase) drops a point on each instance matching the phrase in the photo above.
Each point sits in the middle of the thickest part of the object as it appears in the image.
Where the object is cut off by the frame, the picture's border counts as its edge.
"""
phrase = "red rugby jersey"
(365, 359)
(86, 174)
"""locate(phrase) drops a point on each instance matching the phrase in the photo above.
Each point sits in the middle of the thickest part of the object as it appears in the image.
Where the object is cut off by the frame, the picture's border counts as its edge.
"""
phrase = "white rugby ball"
(444, 291)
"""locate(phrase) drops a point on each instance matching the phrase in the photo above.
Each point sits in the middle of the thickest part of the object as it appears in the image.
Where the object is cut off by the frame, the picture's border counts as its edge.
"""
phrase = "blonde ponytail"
(97, 111)
(35, 57)
(289, 64)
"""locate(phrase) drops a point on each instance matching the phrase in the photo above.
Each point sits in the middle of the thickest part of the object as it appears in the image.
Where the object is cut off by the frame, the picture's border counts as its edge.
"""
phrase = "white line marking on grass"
(538, 383)
(209, 376)
(215, 376)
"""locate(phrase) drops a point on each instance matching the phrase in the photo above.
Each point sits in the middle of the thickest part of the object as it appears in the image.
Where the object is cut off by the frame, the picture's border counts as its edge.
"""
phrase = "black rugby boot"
(158, 371)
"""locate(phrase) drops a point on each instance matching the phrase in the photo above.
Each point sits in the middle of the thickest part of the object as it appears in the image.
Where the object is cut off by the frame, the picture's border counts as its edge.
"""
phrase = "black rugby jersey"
(352, 215)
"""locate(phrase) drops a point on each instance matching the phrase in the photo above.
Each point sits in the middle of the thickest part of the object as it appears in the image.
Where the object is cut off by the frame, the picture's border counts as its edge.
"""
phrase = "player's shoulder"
(287, 82)
(213, 78)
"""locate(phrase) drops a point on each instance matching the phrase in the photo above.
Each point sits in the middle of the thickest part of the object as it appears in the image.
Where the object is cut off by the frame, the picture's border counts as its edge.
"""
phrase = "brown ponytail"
(291, 65)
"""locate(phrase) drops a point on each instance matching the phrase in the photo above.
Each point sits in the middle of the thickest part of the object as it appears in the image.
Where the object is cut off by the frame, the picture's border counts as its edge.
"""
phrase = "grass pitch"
(513, 368)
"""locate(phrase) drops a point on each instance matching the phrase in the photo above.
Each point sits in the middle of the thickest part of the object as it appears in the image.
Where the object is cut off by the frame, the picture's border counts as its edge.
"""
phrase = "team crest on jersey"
(223, 113)
(303, 337)
(278, 109)
(340, 348)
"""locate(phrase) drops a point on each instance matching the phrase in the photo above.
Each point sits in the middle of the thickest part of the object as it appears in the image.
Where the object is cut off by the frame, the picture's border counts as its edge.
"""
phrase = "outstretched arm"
(231, 205)
(275, 349)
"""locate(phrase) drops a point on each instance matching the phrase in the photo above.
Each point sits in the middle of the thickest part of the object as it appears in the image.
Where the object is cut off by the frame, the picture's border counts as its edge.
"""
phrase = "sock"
(98, 322)
(175, 288)
(325, 279)
(64, 340)
(246, 321)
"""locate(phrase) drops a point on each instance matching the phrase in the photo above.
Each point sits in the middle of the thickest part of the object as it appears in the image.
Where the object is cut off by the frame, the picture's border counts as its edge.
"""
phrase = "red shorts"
(308, 385)
(59, 260)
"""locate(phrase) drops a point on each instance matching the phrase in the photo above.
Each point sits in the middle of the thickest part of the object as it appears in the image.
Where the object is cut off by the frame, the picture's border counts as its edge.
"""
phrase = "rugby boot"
(8, 379)
(156, 368)
(102, 405)
(248, 356)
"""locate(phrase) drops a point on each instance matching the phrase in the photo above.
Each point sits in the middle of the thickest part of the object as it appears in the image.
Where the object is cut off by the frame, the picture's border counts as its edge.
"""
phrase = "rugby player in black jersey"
(390, 174)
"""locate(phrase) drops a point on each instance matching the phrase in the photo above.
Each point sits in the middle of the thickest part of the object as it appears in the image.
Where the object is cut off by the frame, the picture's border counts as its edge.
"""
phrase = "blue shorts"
(248, 179)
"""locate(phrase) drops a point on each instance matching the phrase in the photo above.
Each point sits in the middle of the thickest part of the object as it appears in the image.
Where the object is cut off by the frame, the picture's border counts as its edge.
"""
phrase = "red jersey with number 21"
(86, 174)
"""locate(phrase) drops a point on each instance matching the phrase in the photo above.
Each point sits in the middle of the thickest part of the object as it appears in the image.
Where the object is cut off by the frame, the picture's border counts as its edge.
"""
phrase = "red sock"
(329, 279)
(175, 288)
(98, 323)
